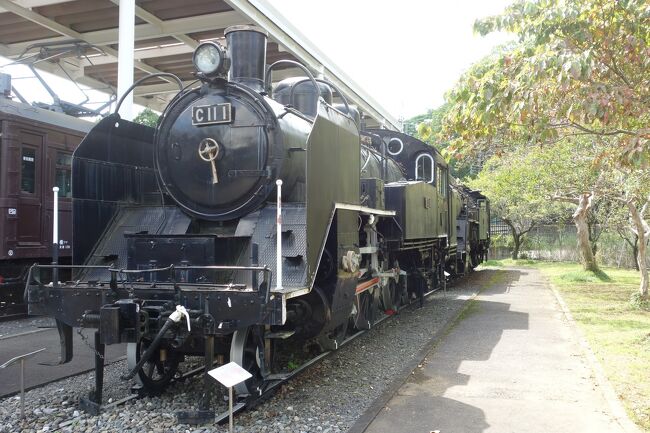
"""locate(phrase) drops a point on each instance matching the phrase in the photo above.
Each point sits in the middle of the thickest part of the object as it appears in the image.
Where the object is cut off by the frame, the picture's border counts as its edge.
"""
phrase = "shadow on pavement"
(420, 404)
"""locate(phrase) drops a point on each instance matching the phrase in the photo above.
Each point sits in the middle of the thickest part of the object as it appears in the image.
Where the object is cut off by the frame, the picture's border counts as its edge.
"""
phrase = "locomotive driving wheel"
(244, 350)
(158, 371)
(390, 296)
(362, 312)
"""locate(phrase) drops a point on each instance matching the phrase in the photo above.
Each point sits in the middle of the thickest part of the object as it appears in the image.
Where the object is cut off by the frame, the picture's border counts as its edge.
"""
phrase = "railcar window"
(442, 181)
(63, 174)
(28, 170)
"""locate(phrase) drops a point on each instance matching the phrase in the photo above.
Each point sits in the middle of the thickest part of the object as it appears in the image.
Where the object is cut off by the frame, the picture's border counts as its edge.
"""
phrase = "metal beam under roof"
(281, 30)
(166, 33)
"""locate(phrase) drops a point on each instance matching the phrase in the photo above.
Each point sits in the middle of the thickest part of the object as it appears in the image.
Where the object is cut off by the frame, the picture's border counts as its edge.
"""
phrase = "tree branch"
(602, 133)
(523, 232)
(566, 199)
(645, 207)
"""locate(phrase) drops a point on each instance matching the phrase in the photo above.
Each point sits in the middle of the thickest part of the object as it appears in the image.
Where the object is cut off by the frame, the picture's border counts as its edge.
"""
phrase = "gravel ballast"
(11, 328)
(328, 397)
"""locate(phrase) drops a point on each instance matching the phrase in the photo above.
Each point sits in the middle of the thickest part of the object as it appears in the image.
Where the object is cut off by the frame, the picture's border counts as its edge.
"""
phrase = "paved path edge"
(614, 403)
(369, 415)
(58, 379)
(22, 334)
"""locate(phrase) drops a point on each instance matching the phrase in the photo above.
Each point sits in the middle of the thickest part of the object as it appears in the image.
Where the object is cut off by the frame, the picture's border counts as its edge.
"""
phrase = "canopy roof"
(166, 33)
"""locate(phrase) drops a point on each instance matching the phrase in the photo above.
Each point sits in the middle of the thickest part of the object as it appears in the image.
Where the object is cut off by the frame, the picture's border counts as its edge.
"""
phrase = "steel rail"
(275, 383)
(270, 387)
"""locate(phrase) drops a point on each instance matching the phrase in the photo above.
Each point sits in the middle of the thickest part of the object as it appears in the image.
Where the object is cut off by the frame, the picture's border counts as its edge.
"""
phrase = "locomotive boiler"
(249, 216)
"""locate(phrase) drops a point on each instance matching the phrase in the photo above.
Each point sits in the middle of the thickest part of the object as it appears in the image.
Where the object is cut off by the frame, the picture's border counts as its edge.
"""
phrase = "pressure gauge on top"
(210, 59)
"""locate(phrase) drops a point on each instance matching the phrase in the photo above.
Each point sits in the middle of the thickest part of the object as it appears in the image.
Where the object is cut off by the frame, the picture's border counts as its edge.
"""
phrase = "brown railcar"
(36, 148)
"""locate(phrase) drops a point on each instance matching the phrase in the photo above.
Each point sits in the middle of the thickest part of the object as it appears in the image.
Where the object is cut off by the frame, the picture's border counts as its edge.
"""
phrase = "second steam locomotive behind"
(251, 221)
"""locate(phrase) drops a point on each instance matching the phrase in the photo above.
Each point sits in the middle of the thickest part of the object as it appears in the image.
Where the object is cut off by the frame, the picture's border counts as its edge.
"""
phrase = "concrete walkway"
(37, 374)
(512, 364)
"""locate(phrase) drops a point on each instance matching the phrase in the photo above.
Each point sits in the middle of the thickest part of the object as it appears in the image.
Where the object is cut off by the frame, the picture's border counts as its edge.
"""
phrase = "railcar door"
(29, 230)
(60, 174)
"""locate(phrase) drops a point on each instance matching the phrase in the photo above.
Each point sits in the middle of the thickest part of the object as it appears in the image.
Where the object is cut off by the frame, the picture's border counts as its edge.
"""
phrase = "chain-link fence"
(557, 242)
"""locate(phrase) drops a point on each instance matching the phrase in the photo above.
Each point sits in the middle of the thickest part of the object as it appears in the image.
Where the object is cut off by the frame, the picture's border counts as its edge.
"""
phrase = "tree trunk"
(517, 243)
(593, 240)
(635, 253)
(580, 220)
(641, 233)
(516, 239)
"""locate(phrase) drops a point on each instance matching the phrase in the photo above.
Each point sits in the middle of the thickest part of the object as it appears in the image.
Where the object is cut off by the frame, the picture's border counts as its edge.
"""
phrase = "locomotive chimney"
(247, 52)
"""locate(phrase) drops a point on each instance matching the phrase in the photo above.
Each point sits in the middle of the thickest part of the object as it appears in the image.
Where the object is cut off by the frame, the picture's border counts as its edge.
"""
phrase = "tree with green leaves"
(520, 189)
(147, 117)
(427, 127)
(631, 189)
(618, 222)
(580, 68)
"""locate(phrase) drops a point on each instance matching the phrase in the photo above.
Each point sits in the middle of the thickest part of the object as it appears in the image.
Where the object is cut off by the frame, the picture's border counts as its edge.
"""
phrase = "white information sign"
(230, 374)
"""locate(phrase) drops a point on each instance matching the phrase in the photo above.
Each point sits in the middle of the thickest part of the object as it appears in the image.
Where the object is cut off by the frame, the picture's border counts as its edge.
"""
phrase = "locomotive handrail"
(320, 80)
(268, 273)
(168, 268)
(145, 78)
(267, 79)
(226, 268)
(71, 266)
(140, 271)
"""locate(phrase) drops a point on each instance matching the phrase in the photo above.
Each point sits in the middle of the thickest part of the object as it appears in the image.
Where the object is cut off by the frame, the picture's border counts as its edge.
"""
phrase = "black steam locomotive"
(247, 217)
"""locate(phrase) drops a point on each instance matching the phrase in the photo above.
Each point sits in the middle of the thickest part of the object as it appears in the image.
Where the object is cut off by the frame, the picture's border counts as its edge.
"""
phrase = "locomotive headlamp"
(210, 59)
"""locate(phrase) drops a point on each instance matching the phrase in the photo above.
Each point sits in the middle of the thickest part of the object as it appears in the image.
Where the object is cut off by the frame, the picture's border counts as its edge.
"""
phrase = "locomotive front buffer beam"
(124, 309)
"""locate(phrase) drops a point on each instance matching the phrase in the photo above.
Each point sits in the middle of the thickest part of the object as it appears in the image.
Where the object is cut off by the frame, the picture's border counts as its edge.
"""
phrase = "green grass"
(509, 262)
(618, 330)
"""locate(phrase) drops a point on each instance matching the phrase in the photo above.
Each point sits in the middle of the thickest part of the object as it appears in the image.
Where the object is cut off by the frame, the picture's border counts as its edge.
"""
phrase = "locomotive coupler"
(120, 322)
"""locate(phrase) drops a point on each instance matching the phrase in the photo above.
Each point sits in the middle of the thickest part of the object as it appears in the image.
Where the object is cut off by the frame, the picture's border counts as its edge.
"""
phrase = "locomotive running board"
(364, 209)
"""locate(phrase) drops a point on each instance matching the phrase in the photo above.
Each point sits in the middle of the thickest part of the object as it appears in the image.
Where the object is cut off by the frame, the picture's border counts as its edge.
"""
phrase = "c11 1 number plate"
(211, 114)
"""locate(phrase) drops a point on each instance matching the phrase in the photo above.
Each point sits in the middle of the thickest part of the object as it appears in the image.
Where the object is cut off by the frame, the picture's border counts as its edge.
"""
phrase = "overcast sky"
(406, 53)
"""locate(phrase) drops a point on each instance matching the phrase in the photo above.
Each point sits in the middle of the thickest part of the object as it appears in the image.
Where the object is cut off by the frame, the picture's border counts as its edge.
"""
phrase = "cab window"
(424, 168)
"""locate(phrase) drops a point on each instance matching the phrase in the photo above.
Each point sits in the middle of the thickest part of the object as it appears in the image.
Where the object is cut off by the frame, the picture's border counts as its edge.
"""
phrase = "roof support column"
(125, 56)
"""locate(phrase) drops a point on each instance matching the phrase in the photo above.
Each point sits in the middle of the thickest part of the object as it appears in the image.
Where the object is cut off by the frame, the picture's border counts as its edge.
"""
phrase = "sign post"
(230, 375)
(21, 359)
(55, 236)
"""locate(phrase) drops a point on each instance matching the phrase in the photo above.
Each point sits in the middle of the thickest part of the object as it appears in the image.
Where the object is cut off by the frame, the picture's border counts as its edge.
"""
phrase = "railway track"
(329, 390)
(270, 388)
(275, 383)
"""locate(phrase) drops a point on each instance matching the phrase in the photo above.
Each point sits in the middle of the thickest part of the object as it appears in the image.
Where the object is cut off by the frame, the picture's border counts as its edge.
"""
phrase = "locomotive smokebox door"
(217, 153)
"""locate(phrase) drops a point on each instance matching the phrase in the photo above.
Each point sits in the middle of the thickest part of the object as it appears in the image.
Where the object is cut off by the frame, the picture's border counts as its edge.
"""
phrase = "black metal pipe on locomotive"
(173, 319)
